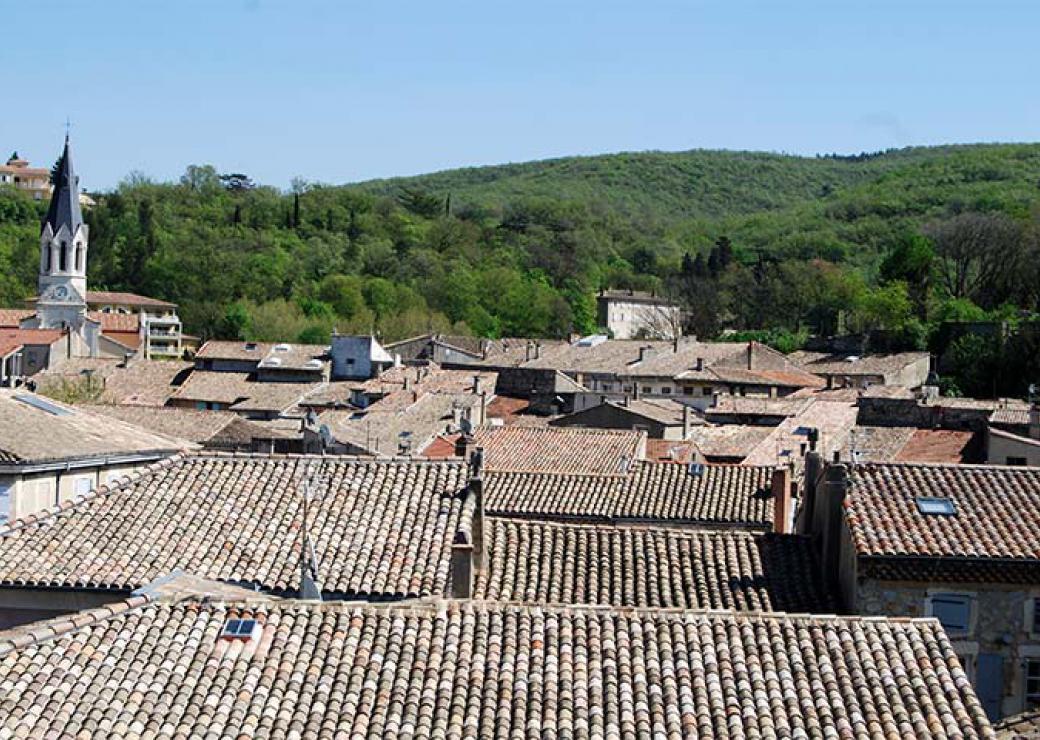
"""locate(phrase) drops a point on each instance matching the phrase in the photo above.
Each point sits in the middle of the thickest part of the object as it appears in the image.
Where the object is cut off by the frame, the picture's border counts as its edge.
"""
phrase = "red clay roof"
(941, 445)
(12, 339)
(116, 322)
(11, 318)
(125, 299)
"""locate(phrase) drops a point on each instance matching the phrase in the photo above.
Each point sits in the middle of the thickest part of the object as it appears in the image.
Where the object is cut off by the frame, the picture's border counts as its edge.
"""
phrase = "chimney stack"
(527, 352)
(830, 509)
(686, 422)
(750, 355)
(537, 350)
(810, 480)
(700, 364)
(476, 385)
(476, 489)
(463, 445)
(645, 352)
(1034, 421)
(781, 490)
(461, 567)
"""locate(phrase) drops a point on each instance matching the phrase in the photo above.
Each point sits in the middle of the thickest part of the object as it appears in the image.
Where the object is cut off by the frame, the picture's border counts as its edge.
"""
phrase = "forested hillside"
(751, 241)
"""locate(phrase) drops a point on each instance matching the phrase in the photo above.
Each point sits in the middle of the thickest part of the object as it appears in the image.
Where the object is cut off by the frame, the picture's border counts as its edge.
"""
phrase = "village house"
(51, 453)
(273, 362)
(633, 314)
(906, 369)
(34, 180)
(953, 542)
(1013, 436)
(659, 418)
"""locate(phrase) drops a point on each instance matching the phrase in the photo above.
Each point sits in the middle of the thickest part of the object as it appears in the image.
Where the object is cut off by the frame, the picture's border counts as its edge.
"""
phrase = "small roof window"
(42, 404)
(239, 629)
(937, 506)
(250, 346)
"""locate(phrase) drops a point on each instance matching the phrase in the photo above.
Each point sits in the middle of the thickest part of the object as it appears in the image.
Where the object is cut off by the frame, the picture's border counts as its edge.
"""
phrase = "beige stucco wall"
(999, 448)
(32, 492)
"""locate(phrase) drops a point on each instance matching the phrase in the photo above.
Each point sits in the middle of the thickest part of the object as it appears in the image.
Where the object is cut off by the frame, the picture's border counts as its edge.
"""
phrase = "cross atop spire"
(64, 207)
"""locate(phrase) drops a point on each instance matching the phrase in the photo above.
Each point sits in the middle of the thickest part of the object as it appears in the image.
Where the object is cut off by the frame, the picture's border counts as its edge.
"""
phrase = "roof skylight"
(936, 506)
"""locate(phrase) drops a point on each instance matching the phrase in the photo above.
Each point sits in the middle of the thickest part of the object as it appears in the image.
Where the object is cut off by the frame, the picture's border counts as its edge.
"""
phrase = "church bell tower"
(62, 301)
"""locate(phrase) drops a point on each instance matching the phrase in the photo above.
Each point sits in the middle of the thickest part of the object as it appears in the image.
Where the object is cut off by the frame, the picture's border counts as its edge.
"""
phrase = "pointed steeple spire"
(64, 208)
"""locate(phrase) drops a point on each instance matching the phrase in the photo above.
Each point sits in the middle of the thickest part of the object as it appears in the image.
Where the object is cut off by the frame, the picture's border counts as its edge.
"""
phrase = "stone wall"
(910, 412)
(1000, 624)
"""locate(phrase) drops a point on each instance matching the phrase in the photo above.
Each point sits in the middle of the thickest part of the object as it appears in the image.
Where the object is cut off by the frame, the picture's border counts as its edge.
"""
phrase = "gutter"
(83, 462)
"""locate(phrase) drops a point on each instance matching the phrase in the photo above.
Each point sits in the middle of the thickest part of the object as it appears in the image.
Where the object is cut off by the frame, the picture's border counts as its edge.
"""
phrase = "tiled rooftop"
(481, 670)
(533, 449)
(852, 364)
(833, 420)
(757, 406)
(942, 446)
(100, 297)
(11, 318)
(204, 427)
(29, 434)
(380, 529)
(651, 566)
(384, 426)
(997, 511)
(721, 495)
(143, 383)
(729, 441)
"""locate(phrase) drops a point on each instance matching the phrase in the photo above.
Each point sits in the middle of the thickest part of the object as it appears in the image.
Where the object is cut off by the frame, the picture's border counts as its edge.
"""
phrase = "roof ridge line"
(281, 456)
(436, 602)
(59, 626)
(104, 489)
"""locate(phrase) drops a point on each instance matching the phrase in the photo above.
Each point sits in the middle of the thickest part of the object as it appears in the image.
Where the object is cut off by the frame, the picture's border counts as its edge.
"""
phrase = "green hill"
(752, 240)
(711, 184)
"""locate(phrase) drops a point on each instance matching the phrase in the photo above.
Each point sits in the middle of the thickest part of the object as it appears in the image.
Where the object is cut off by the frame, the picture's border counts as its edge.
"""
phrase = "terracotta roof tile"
(483, 670)
(11, 318)
(381, 529)
(29, 434)
(143, 383)
(520, 449)
(638, 566)
(722, 494)
(997, 511)
(100, 297)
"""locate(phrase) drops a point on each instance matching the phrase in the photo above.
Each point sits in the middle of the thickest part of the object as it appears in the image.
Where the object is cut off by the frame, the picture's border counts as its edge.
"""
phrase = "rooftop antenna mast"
(309, 586)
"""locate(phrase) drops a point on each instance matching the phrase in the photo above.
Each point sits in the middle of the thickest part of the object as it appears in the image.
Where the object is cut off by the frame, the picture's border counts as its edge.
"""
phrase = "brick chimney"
(781, 491)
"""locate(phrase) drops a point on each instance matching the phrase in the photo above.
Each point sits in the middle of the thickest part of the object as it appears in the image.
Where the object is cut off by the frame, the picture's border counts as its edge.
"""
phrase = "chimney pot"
(700, 364)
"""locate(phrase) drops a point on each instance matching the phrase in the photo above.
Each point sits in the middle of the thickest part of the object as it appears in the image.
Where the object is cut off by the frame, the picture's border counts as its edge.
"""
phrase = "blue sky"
(344, 91)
